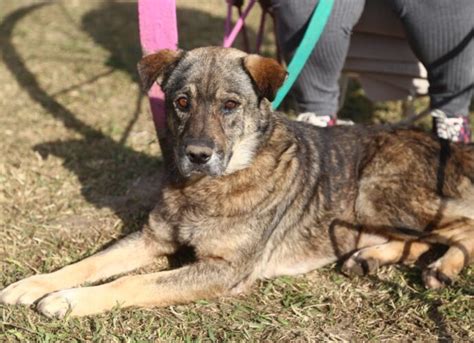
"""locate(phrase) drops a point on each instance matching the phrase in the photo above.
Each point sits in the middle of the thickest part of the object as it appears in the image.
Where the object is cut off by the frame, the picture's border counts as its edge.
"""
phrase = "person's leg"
(441, 35)
(317, 88)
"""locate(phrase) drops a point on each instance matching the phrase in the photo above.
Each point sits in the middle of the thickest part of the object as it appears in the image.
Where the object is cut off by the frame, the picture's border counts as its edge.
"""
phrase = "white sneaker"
(322, 121)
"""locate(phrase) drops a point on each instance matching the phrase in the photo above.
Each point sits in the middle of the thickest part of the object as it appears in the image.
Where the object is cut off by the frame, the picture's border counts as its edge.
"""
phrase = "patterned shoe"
(321, 121)
(455, 129)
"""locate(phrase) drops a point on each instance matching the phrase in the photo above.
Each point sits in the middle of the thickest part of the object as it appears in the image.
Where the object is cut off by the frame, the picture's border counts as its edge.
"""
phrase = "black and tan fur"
(267, 196)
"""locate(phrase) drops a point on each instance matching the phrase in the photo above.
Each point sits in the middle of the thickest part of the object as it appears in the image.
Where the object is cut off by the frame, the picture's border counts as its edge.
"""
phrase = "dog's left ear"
(153, 67)
(267, 74)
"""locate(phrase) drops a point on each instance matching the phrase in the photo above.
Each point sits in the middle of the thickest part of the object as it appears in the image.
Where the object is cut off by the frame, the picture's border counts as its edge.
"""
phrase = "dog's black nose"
(199, 152)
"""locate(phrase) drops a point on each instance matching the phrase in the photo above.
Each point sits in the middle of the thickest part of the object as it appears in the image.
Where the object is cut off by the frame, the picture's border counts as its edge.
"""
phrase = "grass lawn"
(79, 167)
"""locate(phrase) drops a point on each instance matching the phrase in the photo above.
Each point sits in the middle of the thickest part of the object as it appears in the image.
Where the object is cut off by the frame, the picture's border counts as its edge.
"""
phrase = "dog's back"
(378, 188)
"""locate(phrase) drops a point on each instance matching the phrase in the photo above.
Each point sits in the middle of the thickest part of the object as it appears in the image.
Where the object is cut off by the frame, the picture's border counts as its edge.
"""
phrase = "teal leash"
(311, 37)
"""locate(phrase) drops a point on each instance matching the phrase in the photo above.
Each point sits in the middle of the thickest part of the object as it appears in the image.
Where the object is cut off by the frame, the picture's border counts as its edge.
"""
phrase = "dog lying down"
(255, 195)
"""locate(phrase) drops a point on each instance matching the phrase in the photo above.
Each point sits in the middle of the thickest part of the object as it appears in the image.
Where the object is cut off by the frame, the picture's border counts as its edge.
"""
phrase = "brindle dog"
(254, 195)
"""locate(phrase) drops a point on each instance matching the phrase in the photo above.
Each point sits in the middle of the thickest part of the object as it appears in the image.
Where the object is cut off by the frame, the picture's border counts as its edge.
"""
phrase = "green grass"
(80, 164)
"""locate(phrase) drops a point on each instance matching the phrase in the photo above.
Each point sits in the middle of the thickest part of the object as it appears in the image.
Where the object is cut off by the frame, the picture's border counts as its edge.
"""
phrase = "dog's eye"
(182, 103)
(230, 105)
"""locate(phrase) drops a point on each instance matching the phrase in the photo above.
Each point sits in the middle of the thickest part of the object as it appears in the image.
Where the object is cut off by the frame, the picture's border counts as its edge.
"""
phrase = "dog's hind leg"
(367, 260)
(202, 280)
(458, 235)
(460, 238)
(132, 252)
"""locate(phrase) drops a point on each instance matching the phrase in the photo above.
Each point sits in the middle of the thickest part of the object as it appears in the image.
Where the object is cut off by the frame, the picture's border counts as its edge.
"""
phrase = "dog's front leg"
(202, 280)
(134, 251)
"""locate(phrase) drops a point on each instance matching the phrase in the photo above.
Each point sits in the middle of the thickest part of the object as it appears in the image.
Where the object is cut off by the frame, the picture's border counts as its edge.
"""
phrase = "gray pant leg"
(317, 89)
(441, 34)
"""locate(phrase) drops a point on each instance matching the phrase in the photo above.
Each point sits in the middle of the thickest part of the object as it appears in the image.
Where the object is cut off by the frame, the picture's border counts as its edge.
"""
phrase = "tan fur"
(244, 152)
(137, 290)
(367, 260)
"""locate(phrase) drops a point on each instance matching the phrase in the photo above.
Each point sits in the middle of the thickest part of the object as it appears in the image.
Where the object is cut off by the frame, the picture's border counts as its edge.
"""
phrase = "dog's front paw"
(26, 291)
(76, 302)
(57, 304)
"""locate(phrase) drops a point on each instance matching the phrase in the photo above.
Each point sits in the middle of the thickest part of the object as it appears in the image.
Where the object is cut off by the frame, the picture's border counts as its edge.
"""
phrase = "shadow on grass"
(103, 166)
(433, 305)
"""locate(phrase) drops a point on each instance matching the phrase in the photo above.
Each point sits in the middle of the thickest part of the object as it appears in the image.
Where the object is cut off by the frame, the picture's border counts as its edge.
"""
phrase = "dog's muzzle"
(199, 152)
(199, 156)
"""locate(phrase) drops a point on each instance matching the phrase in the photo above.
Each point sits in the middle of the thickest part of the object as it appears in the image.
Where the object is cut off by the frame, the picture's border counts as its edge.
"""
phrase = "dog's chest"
(224, 238)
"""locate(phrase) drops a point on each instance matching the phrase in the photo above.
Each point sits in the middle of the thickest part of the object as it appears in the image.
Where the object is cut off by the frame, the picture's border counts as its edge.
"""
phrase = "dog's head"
(217, 105)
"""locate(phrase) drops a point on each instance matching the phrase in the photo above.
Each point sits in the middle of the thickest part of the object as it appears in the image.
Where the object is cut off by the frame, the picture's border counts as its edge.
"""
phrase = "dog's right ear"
(153, 67)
